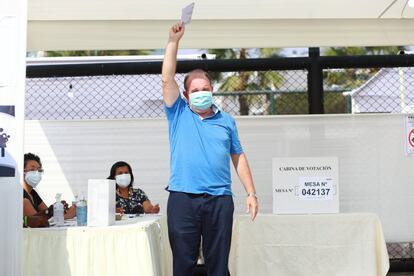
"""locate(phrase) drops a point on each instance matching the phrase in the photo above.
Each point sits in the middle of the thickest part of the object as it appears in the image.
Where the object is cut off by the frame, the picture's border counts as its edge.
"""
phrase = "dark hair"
(31, 156)
(118, 165)
(196, 72)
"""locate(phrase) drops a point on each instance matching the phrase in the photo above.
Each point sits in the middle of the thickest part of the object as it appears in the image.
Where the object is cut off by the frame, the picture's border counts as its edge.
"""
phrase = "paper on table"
(186, 14)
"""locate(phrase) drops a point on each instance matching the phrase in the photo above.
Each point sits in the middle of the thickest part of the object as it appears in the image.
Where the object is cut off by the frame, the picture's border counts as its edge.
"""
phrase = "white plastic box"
(101, 202)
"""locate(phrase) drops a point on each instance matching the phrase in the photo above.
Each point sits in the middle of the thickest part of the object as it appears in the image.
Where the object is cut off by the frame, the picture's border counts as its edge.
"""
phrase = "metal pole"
(349, 104)
(315, 83)
(272, 103)
(230, 65)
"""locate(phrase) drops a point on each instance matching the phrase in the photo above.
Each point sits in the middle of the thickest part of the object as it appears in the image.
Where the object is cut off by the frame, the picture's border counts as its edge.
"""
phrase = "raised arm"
(170, 87)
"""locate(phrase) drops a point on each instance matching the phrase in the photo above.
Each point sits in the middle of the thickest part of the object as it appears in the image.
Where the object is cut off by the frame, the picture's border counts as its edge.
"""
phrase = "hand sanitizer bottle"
(81, 211)
(58, 211)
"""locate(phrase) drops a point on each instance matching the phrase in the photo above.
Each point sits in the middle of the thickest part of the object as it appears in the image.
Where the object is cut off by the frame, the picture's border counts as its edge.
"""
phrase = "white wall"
(374, 175)
(13, 22)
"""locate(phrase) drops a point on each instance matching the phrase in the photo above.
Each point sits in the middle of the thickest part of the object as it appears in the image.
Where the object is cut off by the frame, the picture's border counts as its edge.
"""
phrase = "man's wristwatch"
(251, 194)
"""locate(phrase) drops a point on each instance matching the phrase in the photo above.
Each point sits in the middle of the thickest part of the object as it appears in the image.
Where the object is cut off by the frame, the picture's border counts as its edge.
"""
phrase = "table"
(316, 245)
(137, 246)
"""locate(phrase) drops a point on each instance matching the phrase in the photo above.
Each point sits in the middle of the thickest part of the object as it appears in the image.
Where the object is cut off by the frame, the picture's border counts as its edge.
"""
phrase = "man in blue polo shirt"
(203, 140)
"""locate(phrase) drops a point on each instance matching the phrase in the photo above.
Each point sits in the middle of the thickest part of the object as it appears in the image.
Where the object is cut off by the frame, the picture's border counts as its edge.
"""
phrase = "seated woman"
(33, 204)
(129, 200)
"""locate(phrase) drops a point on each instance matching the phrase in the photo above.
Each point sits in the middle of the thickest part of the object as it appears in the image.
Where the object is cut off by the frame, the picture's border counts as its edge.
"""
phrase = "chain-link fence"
(140, 96)
(262, 92)
(94, 97)
(401, 250)
(372, 90)
(401, 255)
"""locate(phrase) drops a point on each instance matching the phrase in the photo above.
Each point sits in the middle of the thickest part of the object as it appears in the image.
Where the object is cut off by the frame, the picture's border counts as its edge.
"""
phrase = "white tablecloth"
(137, 246)
(309, 245)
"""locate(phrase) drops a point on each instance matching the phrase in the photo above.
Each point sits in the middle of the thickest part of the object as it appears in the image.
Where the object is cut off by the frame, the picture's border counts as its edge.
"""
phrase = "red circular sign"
(411, 138)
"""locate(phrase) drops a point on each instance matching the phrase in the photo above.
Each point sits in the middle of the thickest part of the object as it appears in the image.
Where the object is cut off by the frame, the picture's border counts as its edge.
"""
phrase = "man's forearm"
(245, 175)
(170, 61)
(247, 180)
(170, 89)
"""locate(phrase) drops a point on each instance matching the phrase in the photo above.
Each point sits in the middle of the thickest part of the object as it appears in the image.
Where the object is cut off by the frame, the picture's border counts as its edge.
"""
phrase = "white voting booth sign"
(306, 185)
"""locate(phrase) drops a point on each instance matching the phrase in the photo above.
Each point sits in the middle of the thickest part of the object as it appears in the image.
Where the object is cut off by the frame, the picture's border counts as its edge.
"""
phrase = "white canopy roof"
(132, 24)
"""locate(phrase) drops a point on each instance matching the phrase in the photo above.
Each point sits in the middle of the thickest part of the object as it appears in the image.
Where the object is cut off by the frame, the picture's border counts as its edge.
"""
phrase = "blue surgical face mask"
(201, 100)
(33, 178)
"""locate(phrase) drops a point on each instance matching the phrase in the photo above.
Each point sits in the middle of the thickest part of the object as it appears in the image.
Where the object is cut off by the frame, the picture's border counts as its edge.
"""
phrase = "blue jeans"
(192, 216)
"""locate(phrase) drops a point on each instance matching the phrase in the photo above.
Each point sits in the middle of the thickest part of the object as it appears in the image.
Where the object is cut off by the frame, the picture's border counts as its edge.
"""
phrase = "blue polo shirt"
(200, 150)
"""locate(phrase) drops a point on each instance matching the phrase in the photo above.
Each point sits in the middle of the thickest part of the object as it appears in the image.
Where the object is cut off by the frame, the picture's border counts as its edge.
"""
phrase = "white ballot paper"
(186, 14)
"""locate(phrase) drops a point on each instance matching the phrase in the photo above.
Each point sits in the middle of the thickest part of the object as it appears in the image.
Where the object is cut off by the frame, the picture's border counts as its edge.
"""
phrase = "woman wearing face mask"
(130, 200)
(33, 204)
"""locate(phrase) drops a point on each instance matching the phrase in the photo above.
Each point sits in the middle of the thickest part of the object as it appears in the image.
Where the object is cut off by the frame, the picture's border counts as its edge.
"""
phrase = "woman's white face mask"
(123, 180)
(33, 178)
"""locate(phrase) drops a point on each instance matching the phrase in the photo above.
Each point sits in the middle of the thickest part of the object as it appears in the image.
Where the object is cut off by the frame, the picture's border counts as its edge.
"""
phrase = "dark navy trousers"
(192, 216)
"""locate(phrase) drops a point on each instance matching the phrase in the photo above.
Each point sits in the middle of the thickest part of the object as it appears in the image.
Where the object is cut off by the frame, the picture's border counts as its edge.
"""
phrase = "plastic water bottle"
(75, 201)
(81, 212)
(58, 211)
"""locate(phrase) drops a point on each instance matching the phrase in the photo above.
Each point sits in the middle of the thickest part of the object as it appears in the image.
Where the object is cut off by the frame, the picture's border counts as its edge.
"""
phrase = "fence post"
(272, 103)
(315, 83)
(349, 103)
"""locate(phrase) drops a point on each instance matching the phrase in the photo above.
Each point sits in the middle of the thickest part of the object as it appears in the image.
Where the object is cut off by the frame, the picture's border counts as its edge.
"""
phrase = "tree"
(245, 81)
